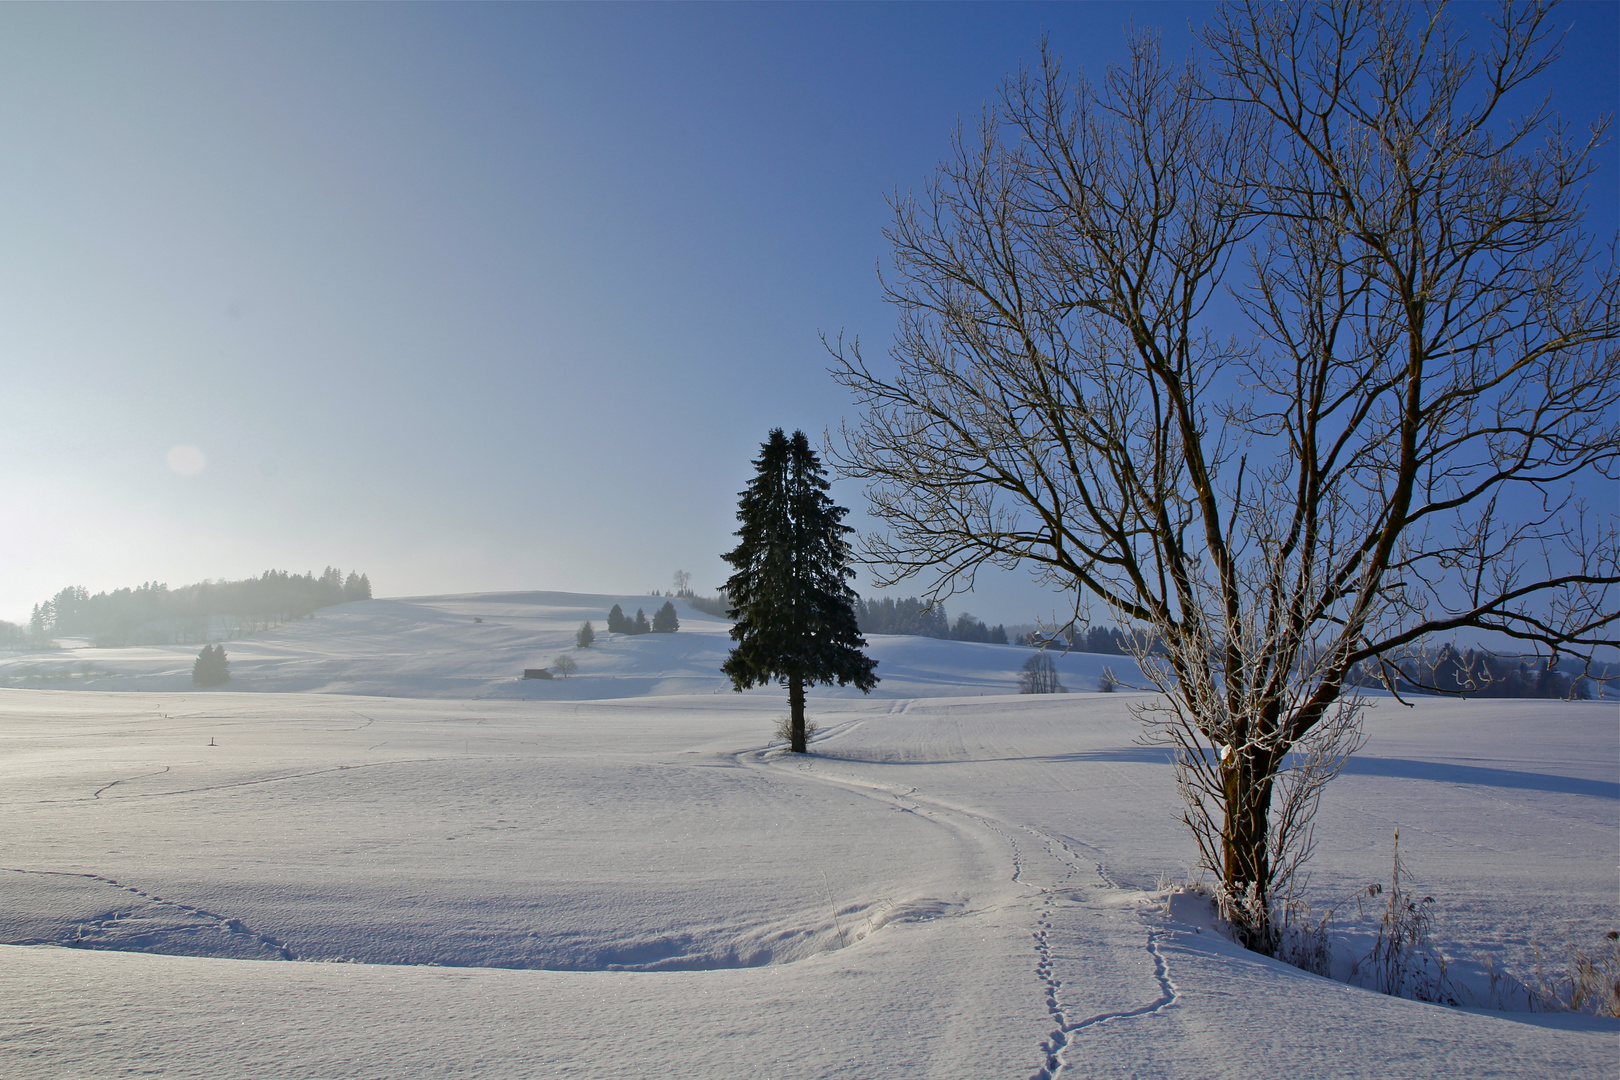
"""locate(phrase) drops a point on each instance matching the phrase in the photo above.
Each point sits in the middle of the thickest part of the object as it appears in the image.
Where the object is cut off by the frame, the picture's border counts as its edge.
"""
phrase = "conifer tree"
(211, 668)
(356, 587)
(665, 621)
(331, 586)
(617, 623)
(641, 625)
(790, 595)
(585, 636)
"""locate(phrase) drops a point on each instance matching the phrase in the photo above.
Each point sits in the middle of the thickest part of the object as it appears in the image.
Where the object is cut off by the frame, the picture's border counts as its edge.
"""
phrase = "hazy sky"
(470, 297)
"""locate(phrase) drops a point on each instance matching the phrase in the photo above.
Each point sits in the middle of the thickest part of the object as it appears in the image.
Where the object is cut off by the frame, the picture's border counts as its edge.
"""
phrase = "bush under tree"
(790, 593)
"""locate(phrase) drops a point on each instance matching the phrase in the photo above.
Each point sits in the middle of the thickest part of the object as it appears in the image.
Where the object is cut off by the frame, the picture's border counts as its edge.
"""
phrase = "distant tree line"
(154, 614)
(1477, 673)
(1107, 640)
(718, 606)
(911, 617)
(664, 621)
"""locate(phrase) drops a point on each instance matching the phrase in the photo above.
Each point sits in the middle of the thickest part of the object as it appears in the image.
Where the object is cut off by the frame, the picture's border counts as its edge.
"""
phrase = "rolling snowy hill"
(477, 645)
(433, 869)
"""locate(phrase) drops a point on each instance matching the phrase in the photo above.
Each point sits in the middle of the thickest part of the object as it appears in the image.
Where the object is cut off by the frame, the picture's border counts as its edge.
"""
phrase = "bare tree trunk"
(796, 709)
(1246, 852)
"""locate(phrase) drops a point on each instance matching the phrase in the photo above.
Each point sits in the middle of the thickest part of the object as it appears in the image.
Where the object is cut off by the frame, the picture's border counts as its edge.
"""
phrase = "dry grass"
(784, 728)
(1591, 981)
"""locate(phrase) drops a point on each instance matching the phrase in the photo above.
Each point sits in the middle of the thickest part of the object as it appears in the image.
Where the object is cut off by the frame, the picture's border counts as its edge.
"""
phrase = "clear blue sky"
(471, 297)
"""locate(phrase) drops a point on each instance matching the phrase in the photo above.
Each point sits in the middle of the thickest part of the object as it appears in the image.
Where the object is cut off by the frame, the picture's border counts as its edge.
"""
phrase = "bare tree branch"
(1295, 354)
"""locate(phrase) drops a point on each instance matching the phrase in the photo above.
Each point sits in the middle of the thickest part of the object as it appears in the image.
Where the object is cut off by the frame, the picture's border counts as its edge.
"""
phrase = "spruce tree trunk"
(796, 708)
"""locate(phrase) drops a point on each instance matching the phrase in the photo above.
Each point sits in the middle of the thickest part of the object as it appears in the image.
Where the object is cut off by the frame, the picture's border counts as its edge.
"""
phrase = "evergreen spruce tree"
(331, 586)
(585, 636)
(617, 623)
(356, 587)
(211, 668)
(665, 621)
(641, 626)
(790, 595)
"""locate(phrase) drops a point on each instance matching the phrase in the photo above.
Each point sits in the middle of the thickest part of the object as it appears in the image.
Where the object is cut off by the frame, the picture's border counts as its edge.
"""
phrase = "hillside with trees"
(912, 617)
(154, 614)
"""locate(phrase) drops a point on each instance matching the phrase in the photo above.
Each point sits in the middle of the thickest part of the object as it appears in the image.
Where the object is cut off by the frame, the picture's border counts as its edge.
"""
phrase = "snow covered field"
(442, 871)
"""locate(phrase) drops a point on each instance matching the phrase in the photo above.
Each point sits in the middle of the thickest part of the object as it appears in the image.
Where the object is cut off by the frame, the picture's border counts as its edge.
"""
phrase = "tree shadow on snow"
(1481, 776)
(1399, 768)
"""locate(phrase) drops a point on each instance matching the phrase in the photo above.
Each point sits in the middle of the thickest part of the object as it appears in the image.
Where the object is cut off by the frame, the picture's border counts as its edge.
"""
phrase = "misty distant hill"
(477, 645)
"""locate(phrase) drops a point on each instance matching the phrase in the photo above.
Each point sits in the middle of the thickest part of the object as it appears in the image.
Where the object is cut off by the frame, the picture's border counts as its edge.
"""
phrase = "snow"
(432, 647)
(431, 868)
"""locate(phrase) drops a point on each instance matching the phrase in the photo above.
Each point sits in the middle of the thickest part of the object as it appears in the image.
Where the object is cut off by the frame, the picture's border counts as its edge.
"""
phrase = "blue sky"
(471, 297)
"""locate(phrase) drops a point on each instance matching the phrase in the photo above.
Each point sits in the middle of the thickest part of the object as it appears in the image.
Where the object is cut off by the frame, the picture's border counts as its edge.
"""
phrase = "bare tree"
(1293, 359)
(1040, 676)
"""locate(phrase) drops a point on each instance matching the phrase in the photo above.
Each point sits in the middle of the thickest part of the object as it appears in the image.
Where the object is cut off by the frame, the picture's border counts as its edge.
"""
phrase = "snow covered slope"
(954, 884)
(476, 646)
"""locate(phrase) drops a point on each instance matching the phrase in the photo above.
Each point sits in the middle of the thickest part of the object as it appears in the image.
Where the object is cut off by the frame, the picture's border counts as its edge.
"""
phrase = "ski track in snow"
(252, 783)
(97, 793)
(1056, 1045)
(1062, 1039)
(110, 919)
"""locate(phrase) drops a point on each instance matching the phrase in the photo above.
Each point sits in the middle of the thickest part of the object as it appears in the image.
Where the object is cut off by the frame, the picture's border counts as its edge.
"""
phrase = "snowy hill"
(477, 645)
(434, 869)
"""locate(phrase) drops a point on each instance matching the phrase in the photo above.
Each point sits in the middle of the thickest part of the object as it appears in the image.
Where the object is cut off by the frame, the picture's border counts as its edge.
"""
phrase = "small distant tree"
(683, 584)
(641, 626)
(212, 668)
(1040, 676)
(665, 621)
(790, 595)
(585, 635)
(617, 623)
(565, 665)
